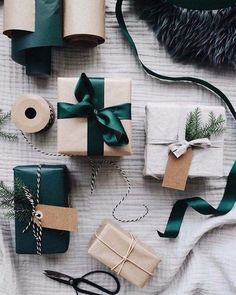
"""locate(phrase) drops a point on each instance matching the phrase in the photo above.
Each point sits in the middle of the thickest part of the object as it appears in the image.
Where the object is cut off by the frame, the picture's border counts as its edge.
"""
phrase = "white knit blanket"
(202, 260)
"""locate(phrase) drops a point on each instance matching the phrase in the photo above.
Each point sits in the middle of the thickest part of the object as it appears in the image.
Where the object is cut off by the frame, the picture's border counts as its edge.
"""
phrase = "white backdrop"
(202, 260)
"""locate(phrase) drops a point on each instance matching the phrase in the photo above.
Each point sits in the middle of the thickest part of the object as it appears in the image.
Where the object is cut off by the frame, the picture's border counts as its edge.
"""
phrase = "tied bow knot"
(180, 148)
(35, 221)
(108, 119)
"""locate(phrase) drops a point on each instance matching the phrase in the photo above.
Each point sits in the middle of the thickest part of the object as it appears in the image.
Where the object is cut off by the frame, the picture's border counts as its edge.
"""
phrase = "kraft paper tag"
(59, 218)
(177, 171)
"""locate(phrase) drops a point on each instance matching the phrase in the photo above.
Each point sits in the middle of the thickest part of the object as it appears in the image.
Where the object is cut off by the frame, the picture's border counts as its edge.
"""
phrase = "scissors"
(75, 282)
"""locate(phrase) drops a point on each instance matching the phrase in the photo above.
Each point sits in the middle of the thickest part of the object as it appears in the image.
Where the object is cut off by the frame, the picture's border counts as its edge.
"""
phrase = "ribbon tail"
(112, 129)
(201, 206)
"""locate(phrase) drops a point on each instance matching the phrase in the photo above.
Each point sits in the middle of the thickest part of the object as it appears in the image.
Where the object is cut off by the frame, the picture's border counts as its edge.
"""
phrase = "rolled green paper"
(33, 48)
(54, 190)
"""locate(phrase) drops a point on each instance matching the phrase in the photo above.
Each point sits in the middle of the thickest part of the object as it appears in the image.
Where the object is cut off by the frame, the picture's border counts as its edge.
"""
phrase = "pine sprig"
(15, 202)
(4, 117)
(196, 129)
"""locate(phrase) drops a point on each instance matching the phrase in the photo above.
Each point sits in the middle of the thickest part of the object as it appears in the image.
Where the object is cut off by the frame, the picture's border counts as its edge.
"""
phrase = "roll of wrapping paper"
(34, 27)
(84, 22)
(32, 114)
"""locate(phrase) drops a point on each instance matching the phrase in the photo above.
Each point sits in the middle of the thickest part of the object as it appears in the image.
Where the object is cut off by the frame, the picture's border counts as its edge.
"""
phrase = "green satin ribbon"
(201, 206)
(203, 83)
(203, 4)
(104, 123)
(33, 49)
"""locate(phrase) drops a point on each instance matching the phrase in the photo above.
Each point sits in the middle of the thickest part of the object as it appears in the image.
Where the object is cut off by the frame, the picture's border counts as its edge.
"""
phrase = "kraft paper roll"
(18, 15)
(32, 114)
(84, 22)
(34, 27)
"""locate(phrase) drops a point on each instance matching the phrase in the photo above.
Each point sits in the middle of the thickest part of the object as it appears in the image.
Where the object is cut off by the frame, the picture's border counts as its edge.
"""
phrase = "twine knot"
(180, 148)
(124, 259)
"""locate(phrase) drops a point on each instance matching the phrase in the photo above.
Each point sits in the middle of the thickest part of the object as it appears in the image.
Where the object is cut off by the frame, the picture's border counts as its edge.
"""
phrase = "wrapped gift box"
(165, 124)
(53, 191)
(80, 136)
(125, 255)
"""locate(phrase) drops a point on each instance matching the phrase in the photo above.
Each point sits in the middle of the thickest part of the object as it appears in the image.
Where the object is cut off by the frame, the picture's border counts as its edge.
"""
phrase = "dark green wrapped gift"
(53, 190)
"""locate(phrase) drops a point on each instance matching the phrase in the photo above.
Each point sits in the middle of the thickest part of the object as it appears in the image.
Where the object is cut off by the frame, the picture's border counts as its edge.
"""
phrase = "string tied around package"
(181, 147)
(124, 258)
(36, 215)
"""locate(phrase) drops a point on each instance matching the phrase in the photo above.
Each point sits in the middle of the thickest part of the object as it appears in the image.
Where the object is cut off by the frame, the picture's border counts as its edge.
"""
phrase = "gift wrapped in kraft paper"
(94, 116)
(124, 254)
(166, 125)
(46, 191)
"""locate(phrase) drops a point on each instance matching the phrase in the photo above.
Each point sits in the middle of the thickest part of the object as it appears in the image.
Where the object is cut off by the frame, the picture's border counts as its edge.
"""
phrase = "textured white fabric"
(202, 260)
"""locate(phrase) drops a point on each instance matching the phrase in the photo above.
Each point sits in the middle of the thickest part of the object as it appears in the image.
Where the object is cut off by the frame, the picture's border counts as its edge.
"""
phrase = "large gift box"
(94, 116)
(166, 125)
(53, 190)
(124, 254)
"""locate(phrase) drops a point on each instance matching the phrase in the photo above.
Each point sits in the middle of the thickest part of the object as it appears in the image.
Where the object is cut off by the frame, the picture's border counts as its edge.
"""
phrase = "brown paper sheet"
(59, 218)
(19, 15)
(177, 171)
(117, 91)
(84, 22)
(120, 240)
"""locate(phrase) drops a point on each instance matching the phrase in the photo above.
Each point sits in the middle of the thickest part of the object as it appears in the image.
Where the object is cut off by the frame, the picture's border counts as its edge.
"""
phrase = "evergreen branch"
(8, 136)
(15, 202)
(196, 129)
(4, 117)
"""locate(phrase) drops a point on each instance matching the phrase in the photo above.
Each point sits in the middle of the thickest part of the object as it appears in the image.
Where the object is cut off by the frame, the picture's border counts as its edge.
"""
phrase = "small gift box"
(94, 116)
(166, 134)
(124, 254)
(46, 197)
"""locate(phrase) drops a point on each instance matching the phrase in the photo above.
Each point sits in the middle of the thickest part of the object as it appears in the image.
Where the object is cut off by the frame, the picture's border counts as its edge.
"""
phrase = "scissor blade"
(57, 276)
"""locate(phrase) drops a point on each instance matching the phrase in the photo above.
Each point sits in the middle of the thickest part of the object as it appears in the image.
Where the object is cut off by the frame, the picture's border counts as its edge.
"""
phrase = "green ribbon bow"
(104, 123)
(201, 206)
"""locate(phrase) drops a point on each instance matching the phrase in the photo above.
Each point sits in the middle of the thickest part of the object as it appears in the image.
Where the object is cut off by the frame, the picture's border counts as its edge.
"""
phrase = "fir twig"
(15, 202)
(4, 117)
(196, 129)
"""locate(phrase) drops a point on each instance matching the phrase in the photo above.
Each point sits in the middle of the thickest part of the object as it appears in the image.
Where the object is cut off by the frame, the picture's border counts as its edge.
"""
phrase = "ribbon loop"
(180, 148)
(108, 119)
(201, 206)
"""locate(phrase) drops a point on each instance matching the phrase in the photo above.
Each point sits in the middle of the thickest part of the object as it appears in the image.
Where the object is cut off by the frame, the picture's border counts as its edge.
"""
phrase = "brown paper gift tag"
(59, 218)
(177, 171)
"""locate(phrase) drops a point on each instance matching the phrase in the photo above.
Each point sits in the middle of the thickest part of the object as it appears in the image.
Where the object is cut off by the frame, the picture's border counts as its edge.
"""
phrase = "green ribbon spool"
(203, 4)
(33, 49)
(104, 124)
(200, 205)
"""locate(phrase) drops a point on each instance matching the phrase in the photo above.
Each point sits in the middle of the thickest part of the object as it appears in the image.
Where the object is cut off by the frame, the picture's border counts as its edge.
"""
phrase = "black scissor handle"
(77, 282)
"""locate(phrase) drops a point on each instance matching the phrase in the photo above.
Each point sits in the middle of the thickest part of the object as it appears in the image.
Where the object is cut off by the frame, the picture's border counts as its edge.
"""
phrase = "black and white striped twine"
(95, 171)
(36, 227)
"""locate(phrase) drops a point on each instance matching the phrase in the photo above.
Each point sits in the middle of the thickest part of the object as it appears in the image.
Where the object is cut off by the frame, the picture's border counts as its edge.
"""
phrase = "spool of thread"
(84, 22)
(32, 114)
